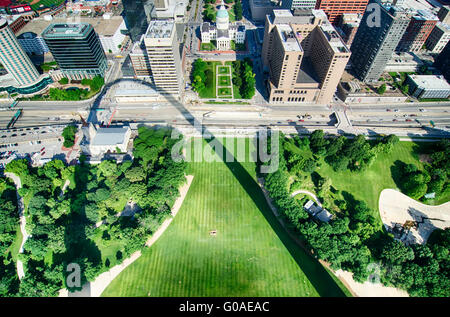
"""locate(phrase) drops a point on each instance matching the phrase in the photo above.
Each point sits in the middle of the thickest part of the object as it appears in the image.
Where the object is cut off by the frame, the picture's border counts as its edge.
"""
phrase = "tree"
(395, 252)
(64, 81)
(382, 89)
(69, 135)
(135, 174)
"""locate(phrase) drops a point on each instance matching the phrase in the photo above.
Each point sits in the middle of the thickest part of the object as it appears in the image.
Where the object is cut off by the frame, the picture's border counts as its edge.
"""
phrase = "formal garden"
(230, 79)
(82, 224)
(347, 175)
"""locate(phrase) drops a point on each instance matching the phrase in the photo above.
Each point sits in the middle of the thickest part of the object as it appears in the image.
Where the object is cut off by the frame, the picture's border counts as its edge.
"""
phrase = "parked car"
(43, 149)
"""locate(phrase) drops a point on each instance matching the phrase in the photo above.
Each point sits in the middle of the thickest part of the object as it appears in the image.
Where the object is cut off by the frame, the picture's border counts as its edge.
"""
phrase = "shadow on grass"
(315, 272)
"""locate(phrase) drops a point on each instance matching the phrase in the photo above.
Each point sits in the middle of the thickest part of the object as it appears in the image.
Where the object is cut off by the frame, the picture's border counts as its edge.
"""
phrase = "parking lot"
(39, 143)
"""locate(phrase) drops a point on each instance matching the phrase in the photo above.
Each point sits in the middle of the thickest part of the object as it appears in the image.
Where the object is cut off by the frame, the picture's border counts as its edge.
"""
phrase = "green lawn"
(367, 185)
(207, 46)
(224, 92)
(223, 70)
(210, 90)
(224, 81)
(45, 3)
(251, 255)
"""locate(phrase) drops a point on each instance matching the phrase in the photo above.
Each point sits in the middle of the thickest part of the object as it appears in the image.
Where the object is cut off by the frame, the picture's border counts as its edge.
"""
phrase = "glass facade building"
(14, 58)
(77, 49)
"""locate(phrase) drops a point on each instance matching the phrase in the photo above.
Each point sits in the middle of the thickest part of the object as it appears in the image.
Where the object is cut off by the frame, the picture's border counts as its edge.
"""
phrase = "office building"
(260, 8)
(139, 60)
(428, 86)
(373, 46)
(77, 49)
(164, 56)
(442, 61)
(111, 31)
(438, 38)
(417, 32)
(336, 8)
(304, 55)
(22, 77)
(298, 4)
(14, 58)
(444, 14)
(348, 26)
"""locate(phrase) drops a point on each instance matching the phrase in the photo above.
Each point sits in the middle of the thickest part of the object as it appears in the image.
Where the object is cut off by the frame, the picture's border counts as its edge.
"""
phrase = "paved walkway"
(18, 183)
(397, 208)
(301, 191)
(96, 288)
(366, 289)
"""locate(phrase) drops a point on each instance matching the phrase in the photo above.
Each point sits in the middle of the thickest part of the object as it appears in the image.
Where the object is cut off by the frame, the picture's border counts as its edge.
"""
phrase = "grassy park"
(368, 184)
(250, 255)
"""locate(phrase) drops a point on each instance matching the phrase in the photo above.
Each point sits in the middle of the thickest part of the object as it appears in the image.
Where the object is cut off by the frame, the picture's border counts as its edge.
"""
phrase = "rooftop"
(288, 38)
(66, 29)
(110, 136)
(160, 29)
(105, 27)
(430, 81)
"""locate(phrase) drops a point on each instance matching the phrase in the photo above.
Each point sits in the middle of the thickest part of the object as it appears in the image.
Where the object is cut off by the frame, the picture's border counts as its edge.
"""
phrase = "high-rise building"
(444, 14)
(298, 4)
(14, 58)
(438, 38)
(374, 44)
(442, 61)
(417, 32)
(139, 60)
(304, 55)
(77, 49)
(164, 56)
(335, 8)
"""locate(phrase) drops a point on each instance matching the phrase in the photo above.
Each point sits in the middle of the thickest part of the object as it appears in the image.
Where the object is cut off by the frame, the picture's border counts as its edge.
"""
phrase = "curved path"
(366, 289)
(397, 208)
(18, 183)
(301, 191)
(96, 288)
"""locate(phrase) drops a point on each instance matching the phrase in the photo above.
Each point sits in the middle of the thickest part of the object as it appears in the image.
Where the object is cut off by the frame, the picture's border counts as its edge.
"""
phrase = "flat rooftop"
(288, 38)
(159, 29)
(110, 136)
(66, 29)
(105, 27)
(333, 38)
(432, 82)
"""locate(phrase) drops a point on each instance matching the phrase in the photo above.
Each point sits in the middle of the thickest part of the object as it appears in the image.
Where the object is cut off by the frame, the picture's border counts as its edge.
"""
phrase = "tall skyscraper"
(335, 8)
(417, 33)
(14, 58)
(77, 49)
(304, 55)
(164, 56)
(442, 61)
(376, 40)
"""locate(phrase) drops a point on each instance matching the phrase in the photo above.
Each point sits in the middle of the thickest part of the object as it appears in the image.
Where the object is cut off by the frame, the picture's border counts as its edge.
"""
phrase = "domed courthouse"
(223, 33)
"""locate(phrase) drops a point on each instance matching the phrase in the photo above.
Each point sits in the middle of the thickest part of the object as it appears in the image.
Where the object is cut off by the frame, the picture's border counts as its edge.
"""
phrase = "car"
(388, 110)
(413, 115)
(422, 110)
(408, 120)
(43, 149)
(395, 120)
(31, 142)
(301, 120)
(396, 110)
(42, 154)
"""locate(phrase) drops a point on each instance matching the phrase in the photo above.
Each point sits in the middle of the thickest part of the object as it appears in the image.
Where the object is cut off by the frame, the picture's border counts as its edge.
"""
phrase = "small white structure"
(223, 33)
(317, 211)
(97, 141)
